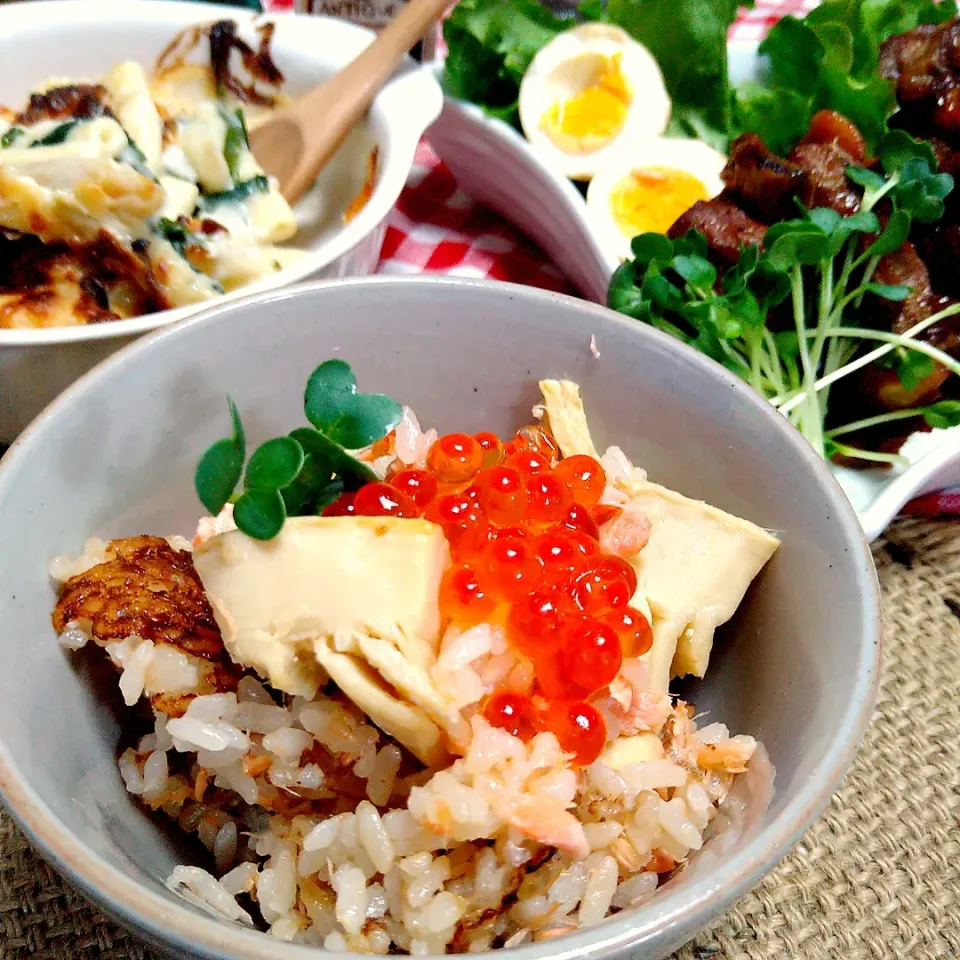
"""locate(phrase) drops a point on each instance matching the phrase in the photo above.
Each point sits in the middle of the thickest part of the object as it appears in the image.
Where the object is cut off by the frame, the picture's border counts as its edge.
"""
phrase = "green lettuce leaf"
(490, 44)
(689, 40)
(830, 60)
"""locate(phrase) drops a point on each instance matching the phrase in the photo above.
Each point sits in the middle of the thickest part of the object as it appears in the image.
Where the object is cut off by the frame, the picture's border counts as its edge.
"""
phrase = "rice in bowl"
(327, 830)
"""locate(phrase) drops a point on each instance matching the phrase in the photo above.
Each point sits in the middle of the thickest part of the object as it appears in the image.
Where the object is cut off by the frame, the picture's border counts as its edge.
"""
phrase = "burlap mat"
(877, 877)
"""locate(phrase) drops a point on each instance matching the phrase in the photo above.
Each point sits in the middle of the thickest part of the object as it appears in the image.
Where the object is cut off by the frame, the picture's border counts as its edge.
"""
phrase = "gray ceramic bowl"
(115, 456)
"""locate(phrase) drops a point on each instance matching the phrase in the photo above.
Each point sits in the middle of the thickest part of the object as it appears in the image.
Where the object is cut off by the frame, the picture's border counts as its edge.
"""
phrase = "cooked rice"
(323, 831)
(319, 826)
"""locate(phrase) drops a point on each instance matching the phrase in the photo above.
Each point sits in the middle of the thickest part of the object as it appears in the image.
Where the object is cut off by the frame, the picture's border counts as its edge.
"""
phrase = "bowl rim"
(401, 135)
(199, 934)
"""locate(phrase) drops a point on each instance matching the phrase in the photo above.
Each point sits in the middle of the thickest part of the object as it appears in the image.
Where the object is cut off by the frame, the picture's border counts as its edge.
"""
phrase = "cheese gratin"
(139, 192)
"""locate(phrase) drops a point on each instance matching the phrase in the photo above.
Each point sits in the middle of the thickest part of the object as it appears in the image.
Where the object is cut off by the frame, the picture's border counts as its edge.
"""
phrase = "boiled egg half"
(589, 92)
(646, 189)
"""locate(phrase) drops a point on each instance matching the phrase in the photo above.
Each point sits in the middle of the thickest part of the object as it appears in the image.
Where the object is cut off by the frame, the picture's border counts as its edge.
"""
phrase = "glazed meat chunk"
(763, 183)
(815, 172)
(724, 225)
(878, 387)
(925, 66)
(147, 589)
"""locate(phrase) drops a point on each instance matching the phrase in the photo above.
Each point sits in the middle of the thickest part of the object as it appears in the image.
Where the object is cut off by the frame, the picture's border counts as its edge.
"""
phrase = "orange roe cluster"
(523, 528)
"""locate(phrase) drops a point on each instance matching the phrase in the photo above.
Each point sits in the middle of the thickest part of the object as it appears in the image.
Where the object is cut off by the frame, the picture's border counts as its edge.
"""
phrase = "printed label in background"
(368, 13)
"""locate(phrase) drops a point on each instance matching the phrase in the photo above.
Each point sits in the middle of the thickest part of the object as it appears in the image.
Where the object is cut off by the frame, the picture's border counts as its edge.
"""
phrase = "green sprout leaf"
(623, 295)
(648, 247)
(260, 513)
(353, 420)
(921, 193)
(691, 244)
(889, 291)
(298, 474)
(868, 179)
(330, 493)
(912, 367)
(331, 456)
(218, 474)
(795, 243)
(893, 236)
(697, 271)
(943, 414)
(221, 467)
(897, 149)
(826, 219)
(660, 292)
(863, 221)
(274, 464)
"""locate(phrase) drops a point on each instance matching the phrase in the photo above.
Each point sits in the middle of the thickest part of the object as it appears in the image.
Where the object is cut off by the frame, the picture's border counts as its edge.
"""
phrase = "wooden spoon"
(294, 143)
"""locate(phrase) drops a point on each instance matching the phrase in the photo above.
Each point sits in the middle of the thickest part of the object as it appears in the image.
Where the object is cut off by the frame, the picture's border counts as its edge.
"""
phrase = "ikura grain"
(524, 529)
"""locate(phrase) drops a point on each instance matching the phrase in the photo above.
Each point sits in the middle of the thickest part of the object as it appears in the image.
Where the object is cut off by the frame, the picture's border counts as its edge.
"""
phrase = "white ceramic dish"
(116, 454)
(499, 169)
(62, 38)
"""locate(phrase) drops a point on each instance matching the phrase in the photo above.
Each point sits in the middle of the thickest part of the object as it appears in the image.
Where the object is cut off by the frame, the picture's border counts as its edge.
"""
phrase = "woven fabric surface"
(877, 877)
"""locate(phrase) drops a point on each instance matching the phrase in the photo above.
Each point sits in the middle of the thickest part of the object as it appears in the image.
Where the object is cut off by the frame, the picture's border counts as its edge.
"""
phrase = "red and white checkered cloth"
(436, 228)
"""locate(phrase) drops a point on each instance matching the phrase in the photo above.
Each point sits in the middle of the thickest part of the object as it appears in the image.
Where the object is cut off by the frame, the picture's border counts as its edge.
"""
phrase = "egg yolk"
(591, 119)
(650, 200)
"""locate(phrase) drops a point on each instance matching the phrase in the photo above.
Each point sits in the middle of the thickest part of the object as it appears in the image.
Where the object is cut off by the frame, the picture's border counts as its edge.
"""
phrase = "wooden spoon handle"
(330, 111)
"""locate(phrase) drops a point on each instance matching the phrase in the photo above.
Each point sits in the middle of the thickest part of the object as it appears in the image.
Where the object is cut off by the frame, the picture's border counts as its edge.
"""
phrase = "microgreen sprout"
(817, 268)
(301, 473)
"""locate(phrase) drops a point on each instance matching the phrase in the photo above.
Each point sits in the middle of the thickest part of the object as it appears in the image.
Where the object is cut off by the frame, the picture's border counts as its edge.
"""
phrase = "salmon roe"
(632, 629)
(465, 595)
(591, 653)
(491, 446)
(512, 712)
(523, 528)
(583, 477)
(343, 506)
(464, 523)
(503, 495)
(578, 517)
(383, 500)
(454, 457)
(419, 485)
(580, 729)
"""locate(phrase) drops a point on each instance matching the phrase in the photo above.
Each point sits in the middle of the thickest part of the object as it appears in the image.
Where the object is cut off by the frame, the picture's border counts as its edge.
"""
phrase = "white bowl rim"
(168, 922)
(425, 102)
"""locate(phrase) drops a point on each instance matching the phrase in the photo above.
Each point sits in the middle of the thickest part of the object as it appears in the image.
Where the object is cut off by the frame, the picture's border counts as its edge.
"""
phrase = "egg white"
(565, 67)
(689, 156)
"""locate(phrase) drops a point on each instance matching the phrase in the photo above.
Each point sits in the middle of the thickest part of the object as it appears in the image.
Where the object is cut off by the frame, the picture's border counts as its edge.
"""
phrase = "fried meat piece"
(925, 66)
(146, 588)
(877, 387)
(815, 172)
(725, 226)
(760, 181)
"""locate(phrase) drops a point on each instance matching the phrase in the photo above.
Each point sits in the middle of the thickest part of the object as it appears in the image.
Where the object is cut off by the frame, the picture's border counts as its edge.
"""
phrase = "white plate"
(65, 38)
(497, 167)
